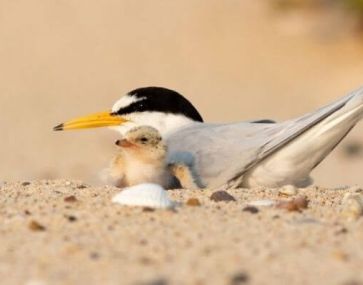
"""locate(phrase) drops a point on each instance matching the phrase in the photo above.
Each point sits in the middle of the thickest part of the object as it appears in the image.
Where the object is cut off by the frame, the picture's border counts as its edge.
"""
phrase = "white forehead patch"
(125, 101)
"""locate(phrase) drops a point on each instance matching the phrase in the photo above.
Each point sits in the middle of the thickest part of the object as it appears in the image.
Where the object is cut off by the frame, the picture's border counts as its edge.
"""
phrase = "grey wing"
(222, 153)
(218, 152)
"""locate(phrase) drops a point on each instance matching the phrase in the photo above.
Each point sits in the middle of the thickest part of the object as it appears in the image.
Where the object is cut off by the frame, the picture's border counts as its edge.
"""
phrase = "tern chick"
(142, 159)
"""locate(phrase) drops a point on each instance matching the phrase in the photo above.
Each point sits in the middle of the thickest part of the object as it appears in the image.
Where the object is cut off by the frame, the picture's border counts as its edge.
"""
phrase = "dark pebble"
(219, 196)
(70, 199)
(148, 209)
(25, 184)
(251, 209)
(35, 226)
(240, 278)
(71, 218)
(341, 231)
(81, 186)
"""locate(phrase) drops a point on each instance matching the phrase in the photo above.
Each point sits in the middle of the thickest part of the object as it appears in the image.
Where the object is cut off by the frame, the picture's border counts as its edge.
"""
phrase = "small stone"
(352, 206)
(68, 183)
(193, 202)
(81, 186)
(27, 212)
(287, 191)
(35, 226)
(239, 278)
(70, 199)
(302, 202)
(148, 209)
(219, 196)
(294, 205)
(251, 209)
(25, 184)
(71, 218)
(341, 231)
(94, 255)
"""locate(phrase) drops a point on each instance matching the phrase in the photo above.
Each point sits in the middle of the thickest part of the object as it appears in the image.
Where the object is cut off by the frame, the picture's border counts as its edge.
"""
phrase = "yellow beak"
(98, 120)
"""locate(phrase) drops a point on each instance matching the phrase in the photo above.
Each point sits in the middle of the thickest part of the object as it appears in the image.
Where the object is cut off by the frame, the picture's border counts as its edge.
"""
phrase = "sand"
(67, 232)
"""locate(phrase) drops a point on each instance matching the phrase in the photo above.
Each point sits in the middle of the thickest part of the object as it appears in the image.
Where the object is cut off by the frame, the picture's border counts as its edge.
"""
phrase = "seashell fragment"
(352, 206)
(288, 190)
(262, 203)
(144, 195)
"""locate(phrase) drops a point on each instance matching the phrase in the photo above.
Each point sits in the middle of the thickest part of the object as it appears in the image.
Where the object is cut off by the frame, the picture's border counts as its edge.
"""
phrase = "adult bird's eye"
(143, 139)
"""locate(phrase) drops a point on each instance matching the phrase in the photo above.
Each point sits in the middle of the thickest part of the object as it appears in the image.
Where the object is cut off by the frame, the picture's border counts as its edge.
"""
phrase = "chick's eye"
(143, 139)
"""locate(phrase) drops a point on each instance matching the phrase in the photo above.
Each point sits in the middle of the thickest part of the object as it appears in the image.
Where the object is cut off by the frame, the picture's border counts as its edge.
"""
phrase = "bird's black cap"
(159, 99)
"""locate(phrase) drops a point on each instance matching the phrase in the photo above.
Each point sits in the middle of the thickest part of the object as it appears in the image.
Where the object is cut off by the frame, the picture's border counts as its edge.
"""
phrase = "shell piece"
(288, 190)
(352, 206)
(144, 195)
(262, 203)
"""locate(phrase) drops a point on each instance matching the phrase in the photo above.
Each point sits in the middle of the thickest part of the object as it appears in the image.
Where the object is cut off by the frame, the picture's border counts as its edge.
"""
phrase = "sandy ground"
(62, 232)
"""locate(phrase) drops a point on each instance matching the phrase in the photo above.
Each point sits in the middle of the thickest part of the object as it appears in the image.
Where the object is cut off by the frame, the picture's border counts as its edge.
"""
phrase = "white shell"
(262, 203)
(145, 195)
(352, 206)
(288, 190)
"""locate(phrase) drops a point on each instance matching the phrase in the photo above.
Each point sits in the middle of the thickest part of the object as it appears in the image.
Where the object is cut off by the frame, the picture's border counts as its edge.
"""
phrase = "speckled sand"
(47, 236)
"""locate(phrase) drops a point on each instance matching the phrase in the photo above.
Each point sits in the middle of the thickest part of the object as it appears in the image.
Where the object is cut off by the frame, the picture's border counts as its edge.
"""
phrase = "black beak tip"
(60, 127)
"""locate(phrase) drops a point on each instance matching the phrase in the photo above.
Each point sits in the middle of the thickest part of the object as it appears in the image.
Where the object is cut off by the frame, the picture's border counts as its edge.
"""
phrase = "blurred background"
(234, 59)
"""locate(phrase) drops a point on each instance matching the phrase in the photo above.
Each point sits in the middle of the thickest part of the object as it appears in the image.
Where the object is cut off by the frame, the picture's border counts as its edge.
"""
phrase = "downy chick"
(142, 159)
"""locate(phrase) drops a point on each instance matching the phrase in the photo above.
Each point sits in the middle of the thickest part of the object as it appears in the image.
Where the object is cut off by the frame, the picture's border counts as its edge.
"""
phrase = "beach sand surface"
(67, 232)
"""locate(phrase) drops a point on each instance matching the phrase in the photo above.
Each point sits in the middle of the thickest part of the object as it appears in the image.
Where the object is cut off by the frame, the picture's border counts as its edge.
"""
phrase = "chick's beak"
(123, 143)
(98, 120)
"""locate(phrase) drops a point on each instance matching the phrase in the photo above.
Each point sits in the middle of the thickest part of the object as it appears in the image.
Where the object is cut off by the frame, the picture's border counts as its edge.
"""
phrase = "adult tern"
(244, 154)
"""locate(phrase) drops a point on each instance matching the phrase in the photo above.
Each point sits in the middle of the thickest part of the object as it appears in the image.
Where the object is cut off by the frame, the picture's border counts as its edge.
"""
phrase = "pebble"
(35, 226)
(251, 209)
(220, 196)
(296, 204)
(240, 278)
(352, 206)
(148, 209)
(288, 190)
(71, 218)
(70, 199)
(193, 202)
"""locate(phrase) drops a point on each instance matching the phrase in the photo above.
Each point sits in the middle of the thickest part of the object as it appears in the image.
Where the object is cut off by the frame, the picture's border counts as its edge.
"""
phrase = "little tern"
(243, 154)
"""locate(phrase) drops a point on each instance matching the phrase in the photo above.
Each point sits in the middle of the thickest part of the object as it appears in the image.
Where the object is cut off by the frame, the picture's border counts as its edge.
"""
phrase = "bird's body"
(238, 154)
